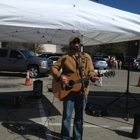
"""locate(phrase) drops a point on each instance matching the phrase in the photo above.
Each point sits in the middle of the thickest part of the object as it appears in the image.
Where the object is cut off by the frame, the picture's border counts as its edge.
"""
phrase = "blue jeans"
(71, 102)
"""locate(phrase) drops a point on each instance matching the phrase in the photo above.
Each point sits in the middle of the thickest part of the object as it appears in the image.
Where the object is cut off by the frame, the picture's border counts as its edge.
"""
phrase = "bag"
(96, 109)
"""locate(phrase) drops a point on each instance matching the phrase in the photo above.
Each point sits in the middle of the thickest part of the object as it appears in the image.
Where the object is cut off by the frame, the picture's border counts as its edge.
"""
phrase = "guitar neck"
(84, 79)
(107, 74)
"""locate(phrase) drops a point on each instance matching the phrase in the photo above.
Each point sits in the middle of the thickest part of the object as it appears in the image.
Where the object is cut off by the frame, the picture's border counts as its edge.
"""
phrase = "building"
(133, 48)
(51, 48)
(45, 47)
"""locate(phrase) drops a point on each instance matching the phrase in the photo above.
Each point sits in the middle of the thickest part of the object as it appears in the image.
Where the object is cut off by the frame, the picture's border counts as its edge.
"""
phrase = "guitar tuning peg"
(107, 74)
(110, 74)
(113, 73)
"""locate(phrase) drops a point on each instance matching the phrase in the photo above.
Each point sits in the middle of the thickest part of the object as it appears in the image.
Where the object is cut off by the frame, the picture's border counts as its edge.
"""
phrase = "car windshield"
(99, 59)
(27, 54)
(131, 60)
(49, 55)
(137, 60)
(43, 55)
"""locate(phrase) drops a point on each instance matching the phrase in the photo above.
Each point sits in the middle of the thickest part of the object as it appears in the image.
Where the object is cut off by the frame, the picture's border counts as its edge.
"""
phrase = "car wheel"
(34, 72)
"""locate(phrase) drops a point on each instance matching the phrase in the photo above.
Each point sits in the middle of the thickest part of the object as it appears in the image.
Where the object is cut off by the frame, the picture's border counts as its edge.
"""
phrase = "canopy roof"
(55, 21)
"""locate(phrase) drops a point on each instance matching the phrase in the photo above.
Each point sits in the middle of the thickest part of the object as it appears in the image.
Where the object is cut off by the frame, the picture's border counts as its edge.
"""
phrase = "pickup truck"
(19, 60)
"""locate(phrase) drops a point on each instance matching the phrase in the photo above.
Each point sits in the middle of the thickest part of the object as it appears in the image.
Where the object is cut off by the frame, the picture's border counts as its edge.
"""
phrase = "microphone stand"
(83, 89)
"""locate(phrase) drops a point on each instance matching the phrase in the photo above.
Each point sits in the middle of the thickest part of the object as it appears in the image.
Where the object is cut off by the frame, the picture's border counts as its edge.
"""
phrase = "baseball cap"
(72, 38)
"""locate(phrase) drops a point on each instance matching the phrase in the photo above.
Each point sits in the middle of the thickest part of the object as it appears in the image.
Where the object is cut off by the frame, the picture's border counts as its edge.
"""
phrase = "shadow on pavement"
(10, 74)
(123, 133)
(119, 132)
(116, 104)
(31, 131)
(28, 114)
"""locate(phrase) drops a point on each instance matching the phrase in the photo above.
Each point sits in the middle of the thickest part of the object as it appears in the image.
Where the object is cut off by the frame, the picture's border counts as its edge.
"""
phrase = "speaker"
(136, 127)
(37, 88)
(96, 109)
(17, 100)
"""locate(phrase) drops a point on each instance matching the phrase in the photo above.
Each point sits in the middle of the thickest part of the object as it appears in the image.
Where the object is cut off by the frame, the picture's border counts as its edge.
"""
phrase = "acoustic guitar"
(60, 90)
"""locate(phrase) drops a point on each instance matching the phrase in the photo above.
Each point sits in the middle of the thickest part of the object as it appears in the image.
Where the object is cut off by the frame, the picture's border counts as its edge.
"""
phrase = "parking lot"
(40, 118)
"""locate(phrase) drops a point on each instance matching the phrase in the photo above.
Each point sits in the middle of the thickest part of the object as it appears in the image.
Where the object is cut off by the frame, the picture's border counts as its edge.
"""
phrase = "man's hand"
(94, 78)
(64, 80)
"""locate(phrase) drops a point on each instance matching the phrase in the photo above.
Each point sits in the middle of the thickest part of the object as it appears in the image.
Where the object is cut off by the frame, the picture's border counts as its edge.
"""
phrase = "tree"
(4, 44)
(65, 48)
(11, 45)
(106, 49)
(113, 48)
(33, 47)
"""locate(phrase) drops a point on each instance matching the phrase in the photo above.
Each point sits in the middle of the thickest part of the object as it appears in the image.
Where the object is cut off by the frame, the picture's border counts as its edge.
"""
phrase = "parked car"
(129, 61)
(106, 57)
(18, 60)
(99, 63)
(54, 58)
(138, 67)
(136, 63)
(46, 55)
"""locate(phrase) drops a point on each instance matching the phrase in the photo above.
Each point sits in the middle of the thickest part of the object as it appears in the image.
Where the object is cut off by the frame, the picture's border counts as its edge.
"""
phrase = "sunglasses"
(75, 41)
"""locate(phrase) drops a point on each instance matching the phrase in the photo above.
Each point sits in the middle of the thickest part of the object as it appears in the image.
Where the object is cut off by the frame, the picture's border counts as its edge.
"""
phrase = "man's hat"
(72, 38)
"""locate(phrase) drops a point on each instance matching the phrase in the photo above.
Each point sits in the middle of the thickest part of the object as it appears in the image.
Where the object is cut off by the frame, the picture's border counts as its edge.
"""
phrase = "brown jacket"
(69, 65)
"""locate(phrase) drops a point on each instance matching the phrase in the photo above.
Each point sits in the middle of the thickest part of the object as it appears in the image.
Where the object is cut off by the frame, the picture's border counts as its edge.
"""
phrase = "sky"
(126, 5)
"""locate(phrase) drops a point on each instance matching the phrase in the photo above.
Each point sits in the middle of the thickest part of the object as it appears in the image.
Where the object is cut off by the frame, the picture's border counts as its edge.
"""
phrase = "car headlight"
(43, 64)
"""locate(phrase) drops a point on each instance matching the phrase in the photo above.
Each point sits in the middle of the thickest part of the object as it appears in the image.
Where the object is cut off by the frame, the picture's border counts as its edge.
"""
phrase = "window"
(14, 54)
(3, 53)
(27, 54)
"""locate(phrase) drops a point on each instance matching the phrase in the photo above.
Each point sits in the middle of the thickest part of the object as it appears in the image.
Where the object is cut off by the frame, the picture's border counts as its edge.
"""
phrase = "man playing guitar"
(75, 66)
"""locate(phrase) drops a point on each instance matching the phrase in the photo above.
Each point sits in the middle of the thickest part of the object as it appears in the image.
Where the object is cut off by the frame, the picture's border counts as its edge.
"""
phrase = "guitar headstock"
(109, 73)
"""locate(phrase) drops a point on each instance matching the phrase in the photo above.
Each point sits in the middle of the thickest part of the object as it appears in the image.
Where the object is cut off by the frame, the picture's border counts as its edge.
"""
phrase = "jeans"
(71, 102)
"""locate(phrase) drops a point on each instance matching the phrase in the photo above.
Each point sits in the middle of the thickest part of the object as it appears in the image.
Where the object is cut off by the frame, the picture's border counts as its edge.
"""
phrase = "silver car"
(136, 63)
(54, 58)
(99, 63)
(19, 60)
(138, 66)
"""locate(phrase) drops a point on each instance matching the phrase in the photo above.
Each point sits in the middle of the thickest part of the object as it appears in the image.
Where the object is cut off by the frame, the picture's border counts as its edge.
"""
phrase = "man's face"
(74, 43)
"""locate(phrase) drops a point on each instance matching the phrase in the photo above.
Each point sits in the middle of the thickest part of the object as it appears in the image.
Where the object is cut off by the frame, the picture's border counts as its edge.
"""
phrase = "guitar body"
(60, 90)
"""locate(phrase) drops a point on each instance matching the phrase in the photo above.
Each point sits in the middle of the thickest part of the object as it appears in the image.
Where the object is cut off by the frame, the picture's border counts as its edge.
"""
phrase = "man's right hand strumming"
(64, 80)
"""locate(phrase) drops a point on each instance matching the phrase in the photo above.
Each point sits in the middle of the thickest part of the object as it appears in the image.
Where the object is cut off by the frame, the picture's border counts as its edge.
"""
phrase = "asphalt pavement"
(39, 118)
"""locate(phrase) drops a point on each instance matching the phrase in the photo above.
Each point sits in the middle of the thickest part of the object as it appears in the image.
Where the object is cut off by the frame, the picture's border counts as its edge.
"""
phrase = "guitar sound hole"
(71, 83)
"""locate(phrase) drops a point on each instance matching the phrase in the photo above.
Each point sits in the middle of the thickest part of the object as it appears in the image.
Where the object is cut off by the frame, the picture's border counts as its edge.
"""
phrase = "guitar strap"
(80, 63)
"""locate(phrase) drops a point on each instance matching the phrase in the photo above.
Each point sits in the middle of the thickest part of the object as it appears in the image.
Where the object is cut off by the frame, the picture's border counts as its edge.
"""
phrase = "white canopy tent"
(54, 21)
